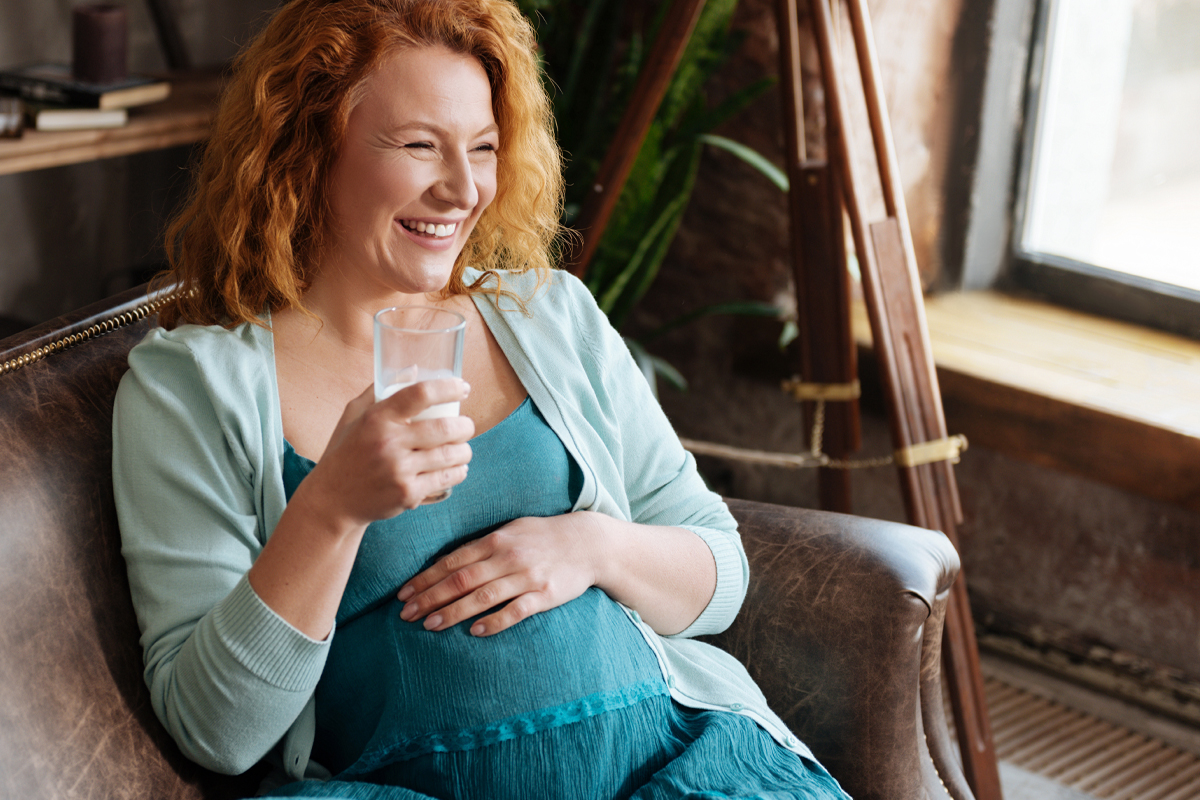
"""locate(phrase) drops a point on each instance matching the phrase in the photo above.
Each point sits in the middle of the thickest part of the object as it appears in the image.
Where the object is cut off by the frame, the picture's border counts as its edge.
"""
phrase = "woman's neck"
(346, 311)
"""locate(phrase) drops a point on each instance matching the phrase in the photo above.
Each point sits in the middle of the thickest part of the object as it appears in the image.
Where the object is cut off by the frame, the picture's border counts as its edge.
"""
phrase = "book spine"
(39, 91)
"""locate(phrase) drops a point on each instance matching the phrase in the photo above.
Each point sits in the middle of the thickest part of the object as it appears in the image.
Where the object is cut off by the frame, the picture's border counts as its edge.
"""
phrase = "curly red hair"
(255, 222)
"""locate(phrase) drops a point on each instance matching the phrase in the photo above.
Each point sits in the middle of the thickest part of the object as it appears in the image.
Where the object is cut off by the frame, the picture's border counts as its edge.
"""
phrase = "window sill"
(1107, 400)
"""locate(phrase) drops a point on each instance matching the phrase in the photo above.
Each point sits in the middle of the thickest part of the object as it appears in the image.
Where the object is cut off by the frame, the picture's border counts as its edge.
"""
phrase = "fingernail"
(477, 629)
(466, 388)
(433, 622)
(405, 593)
(408, 612)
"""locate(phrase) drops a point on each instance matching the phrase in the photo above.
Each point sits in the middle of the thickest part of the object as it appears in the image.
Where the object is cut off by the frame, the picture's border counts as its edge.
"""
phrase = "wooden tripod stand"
(822, 195)
(892, 292)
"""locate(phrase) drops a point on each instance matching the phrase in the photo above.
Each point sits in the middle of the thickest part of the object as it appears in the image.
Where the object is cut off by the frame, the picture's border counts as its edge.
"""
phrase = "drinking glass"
(418, 343)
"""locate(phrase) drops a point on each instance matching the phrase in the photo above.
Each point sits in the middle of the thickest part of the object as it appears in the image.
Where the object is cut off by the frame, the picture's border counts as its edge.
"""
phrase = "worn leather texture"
(75, 715)
(836, 625)
(832, 631)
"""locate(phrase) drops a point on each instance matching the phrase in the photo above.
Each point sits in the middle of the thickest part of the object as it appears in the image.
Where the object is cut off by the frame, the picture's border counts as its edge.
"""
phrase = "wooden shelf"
(1108, 400)
(183, 118)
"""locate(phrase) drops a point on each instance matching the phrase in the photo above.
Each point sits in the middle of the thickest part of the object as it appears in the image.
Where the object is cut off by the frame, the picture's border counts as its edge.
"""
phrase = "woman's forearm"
(303, 569)
(668, 575)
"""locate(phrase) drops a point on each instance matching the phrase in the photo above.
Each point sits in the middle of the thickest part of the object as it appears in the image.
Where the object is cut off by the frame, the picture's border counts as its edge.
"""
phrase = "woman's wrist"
(666, 574)
(604, 543)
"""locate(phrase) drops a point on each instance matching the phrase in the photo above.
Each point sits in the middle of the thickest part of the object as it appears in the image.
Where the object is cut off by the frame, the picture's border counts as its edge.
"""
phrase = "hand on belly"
(530, 565)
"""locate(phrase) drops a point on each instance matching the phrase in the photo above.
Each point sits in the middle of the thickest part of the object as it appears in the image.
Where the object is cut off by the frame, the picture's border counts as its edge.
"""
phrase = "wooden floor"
(1050, 749)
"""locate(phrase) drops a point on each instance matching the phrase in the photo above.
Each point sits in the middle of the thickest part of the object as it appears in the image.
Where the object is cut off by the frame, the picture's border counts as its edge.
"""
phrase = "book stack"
(54, 100)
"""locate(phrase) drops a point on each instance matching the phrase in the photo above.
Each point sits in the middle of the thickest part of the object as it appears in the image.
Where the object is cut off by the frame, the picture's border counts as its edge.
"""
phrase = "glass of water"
(418, 343)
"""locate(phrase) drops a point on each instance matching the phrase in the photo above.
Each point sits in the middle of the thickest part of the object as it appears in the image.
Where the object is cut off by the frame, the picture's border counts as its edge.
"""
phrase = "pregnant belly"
(392, 689)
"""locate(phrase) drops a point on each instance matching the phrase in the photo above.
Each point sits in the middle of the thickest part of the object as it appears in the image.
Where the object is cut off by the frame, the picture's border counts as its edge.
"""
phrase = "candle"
(99, 42)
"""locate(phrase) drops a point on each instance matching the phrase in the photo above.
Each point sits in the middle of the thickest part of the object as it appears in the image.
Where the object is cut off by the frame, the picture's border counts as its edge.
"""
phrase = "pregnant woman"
(529, 636)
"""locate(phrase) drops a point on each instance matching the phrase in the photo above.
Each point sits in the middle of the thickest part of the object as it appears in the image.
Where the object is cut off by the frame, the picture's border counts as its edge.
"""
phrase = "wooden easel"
(820, 191)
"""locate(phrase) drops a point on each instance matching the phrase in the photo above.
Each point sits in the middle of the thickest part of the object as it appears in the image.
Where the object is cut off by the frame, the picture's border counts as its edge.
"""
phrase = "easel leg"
(893, 297)
(826, 346)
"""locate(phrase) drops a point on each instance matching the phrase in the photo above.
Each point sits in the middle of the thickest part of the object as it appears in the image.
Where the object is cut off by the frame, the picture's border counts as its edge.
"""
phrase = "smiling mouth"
(438, 231)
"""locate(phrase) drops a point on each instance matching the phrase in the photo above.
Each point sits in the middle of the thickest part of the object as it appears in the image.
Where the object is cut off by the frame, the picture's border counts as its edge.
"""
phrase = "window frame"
(1065, 281)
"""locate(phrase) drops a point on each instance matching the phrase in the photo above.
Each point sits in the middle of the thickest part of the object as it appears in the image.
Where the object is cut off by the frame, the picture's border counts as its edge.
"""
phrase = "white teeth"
(432, 229)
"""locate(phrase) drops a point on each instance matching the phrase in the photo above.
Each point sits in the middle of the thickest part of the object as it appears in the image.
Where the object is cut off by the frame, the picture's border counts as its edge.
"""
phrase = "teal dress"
(570, 703)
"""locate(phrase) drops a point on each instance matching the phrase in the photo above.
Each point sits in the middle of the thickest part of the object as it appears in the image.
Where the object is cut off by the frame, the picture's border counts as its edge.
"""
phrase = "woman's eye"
(419, 145)
(486, 148)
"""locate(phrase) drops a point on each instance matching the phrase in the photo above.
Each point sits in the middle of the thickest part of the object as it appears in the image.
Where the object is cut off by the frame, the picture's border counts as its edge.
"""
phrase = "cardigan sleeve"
(227, 675)
(661, 482)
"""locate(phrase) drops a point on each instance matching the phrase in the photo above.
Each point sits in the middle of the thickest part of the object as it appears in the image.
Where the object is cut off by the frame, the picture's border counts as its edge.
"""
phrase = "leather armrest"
(832, 631)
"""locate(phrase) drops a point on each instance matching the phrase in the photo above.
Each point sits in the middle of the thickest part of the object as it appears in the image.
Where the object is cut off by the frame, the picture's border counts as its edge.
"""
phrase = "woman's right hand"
(380, 461)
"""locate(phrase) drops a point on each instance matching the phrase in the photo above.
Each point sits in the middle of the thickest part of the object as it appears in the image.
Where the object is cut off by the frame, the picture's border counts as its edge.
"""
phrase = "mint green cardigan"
(197, 476)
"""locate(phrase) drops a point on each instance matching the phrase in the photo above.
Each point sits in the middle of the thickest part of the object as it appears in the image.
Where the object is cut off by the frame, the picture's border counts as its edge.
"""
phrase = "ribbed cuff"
(731, 584)
(266, 644)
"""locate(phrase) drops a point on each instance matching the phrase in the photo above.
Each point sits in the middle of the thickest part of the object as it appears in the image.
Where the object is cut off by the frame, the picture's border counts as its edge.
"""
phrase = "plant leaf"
(609, 298)
(635, 210)
(664, 370)
(653, 367)
(583, 38)
(789, 334)
(592, 51)
(644, 362)
(750, 156)
(705, 52)
(677, 187)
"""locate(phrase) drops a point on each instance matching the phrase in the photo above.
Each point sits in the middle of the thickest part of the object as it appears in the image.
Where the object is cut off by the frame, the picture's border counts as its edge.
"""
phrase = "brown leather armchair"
(841, 626)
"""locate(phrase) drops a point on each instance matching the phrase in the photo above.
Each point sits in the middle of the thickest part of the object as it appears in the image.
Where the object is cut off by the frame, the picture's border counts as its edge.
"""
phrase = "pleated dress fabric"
(569, 703)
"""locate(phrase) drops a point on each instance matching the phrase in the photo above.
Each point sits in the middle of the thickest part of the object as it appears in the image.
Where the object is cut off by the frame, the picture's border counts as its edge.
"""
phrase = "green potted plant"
(592, 53)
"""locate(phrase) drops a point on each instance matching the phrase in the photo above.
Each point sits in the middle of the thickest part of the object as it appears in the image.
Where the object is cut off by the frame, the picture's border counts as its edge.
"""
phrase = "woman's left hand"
(533, 563)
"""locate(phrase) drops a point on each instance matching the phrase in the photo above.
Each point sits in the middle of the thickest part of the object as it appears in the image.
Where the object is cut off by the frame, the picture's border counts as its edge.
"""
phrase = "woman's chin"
(429, 282)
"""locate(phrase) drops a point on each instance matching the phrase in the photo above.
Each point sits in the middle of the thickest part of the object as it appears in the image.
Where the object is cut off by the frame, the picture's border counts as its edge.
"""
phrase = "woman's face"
(416, 171)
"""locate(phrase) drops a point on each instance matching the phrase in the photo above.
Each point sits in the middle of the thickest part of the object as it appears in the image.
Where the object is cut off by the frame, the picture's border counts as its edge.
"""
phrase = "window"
(1108, 201)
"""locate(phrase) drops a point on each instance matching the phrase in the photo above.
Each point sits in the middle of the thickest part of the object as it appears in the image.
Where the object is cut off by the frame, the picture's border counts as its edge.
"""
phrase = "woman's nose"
(457, 183)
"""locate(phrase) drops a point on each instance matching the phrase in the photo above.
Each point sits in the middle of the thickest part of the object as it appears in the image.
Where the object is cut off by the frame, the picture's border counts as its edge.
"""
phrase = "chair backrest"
(75, 714)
